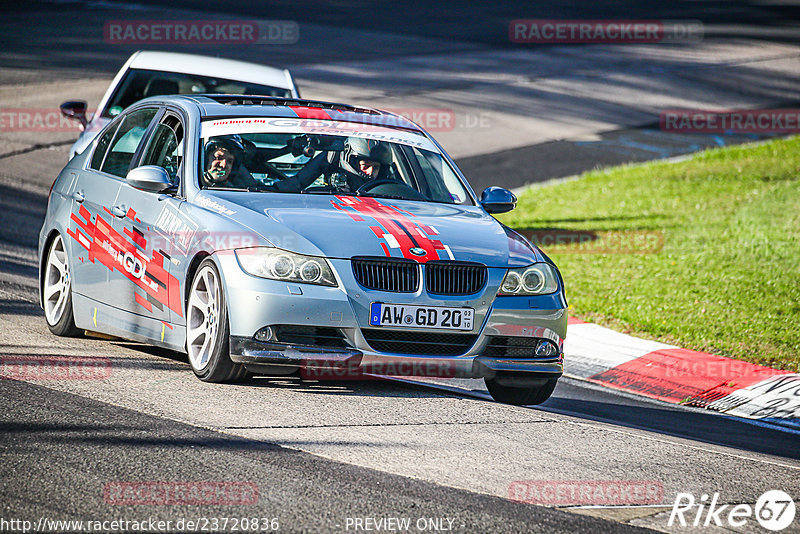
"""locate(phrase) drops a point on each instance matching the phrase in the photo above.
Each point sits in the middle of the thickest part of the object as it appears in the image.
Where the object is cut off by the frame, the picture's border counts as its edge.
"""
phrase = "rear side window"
(126, 141)
(102, 148)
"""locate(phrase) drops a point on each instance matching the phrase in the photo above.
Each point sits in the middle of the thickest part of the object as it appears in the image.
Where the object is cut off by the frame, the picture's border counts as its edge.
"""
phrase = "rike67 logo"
(774, 510)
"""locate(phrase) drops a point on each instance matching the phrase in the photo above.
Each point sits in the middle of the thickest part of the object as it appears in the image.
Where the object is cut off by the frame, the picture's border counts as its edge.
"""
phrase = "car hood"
(347, 226)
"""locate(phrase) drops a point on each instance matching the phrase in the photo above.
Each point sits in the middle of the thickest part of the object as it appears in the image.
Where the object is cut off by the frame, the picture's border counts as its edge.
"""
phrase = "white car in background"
(148, 73)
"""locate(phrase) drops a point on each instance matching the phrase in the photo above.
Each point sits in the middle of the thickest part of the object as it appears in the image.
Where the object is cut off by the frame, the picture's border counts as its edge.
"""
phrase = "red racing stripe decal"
(143, 302)
(136, 236)
(311, 113)
(399, 231)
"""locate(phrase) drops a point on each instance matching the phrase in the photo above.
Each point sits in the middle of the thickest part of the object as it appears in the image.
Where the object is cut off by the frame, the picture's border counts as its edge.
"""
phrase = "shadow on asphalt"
(692, 424)
(153, 350)
(125, 435)
(19, 307)
(360, 388)
(368, 387)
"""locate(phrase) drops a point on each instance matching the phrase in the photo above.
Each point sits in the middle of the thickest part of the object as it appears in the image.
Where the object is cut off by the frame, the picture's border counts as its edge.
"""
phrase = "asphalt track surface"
(320, 453)
(73, 442)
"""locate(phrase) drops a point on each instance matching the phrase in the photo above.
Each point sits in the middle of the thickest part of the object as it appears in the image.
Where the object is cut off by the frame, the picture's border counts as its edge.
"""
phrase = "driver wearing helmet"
(224, 156)
(364, 160)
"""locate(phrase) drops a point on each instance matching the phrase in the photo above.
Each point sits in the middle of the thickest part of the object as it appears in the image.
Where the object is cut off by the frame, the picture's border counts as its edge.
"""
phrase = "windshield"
(366, 164)
(139, 83)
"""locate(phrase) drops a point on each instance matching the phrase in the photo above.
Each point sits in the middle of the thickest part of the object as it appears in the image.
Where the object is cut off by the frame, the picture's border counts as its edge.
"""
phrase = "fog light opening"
(546, 348)
(265, 334)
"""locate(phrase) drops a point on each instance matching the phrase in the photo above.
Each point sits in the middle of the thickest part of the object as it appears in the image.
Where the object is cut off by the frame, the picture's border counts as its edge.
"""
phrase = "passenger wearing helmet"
(223, 162)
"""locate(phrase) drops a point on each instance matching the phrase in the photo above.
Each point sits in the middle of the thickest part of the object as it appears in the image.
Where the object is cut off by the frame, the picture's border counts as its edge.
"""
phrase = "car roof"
(219, 106)
(211, 66)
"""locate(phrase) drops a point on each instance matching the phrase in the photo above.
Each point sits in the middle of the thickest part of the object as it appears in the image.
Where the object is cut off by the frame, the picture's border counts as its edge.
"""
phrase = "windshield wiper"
(393, 197)
(355, 194)
(226, 189)
(329, 192)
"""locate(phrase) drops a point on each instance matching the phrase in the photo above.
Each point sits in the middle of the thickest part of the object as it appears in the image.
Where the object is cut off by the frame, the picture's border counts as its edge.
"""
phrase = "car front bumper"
(255, 303)
(351, 363)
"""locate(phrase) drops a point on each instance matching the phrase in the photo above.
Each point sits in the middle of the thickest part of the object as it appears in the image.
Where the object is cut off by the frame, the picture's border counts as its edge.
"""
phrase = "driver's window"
(166, 147)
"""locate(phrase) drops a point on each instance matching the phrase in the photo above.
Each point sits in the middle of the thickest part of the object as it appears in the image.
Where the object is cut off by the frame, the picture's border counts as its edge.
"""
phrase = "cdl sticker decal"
(129, 258)
(394, 229)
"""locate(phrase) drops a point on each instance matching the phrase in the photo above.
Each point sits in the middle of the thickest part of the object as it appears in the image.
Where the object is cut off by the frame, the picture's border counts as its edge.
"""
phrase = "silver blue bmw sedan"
(293, 237)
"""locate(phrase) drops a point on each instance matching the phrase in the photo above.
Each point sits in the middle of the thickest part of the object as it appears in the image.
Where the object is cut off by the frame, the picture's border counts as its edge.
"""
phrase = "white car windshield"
(382, 163)
(141, 83)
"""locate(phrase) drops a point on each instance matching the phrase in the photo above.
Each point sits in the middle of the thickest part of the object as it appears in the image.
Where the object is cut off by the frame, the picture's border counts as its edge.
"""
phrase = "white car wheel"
(56, 282)
(207, 330)
(56, 290)
(202, 321)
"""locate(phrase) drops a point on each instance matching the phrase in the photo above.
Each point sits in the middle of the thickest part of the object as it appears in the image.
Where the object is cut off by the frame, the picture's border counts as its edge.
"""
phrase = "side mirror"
(498, 200)
(75, 109)
(150, 178)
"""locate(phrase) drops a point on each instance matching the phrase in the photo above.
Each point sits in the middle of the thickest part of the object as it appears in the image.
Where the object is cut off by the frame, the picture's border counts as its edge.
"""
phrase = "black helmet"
(232, 143)
(357, 148)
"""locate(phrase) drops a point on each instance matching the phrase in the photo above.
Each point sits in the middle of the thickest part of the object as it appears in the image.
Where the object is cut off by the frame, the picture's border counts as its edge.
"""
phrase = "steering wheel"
(402, 189)
(273, 170)
(369, 186)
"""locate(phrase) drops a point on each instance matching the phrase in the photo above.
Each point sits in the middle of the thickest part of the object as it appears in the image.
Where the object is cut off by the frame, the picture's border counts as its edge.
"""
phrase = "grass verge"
(704, 253)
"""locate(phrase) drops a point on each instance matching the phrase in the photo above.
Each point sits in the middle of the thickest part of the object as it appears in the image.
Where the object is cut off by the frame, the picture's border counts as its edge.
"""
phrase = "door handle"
(78, 197)
(119, 211)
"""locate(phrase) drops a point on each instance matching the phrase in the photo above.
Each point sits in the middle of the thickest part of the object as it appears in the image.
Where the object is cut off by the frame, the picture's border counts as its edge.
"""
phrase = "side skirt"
(98, 317)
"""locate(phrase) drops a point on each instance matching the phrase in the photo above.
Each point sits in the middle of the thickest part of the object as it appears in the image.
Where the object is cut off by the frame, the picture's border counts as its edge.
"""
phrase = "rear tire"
(207, 329)
(520, 390)
(57, 291)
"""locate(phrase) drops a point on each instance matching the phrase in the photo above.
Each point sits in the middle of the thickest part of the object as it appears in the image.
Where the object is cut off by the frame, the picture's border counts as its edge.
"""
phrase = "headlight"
(286, 266)
(536, 279)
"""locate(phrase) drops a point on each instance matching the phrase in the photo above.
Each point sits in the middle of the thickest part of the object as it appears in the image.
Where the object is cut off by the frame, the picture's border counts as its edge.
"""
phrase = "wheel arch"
(194, 265)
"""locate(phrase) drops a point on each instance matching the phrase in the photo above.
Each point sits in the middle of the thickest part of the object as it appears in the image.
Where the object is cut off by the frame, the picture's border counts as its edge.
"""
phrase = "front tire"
(57, 291)
(207, 328)
(520, 390)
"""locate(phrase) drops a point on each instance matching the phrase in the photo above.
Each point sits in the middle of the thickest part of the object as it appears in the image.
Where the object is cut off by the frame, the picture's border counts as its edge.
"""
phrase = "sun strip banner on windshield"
(249, 125)
(395, 229)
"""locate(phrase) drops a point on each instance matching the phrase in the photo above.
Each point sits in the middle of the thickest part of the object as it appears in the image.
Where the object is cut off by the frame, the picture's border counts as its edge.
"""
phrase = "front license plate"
(382, 314)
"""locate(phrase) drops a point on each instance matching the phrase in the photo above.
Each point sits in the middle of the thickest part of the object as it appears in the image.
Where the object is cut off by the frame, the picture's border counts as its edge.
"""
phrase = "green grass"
(727, 280)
